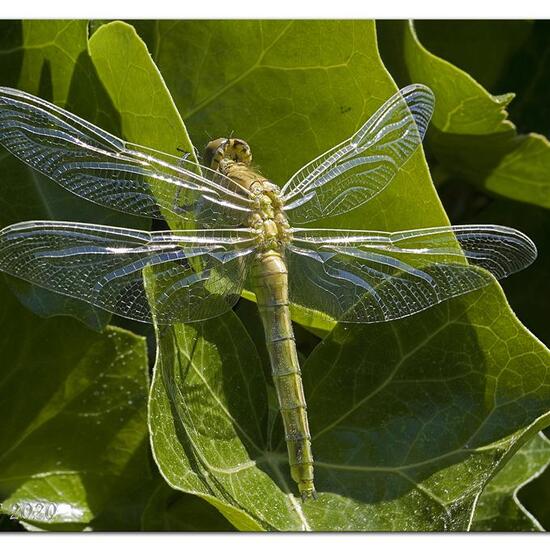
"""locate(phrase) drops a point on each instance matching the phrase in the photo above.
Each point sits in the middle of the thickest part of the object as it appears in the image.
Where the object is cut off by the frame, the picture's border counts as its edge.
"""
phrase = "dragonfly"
(240, 230)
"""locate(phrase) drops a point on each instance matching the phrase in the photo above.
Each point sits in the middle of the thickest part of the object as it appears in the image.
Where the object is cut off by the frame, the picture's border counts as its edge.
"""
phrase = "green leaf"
(501, 55)
(524, 292)
(76, 442)
(498, 508)
(207, 413)
(132, 81)
(292, 90)
(50, 58)
(470, 136)
(408, 420)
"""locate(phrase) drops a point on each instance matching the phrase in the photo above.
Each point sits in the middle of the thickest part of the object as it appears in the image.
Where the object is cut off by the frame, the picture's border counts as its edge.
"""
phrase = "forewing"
(366, 276)
(190, 275)
(104, 169)
(353, 172)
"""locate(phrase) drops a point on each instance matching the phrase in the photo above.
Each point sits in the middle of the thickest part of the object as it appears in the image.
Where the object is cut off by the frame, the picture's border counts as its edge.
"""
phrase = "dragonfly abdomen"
(269, 278)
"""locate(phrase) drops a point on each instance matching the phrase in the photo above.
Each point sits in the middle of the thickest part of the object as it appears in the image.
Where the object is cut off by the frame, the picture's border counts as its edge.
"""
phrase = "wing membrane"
(191, 275)
(368, 276)
(109, 171)
(353, 172)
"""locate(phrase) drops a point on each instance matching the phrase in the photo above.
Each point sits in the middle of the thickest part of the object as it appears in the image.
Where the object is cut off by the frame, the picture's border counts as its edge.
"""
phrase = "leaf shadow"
(393, 405)
(11, 52)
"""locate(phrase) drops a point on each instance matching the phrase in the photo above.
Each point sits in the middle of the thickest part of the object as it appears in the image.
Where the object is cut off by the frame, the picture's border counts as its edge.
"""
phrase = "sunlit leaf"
(499, 508)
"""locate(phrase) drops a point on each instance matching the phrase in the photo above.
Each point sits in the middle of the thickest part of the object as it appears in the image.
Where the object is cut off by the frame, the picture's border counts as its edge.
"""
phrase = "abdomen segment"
(270, 282)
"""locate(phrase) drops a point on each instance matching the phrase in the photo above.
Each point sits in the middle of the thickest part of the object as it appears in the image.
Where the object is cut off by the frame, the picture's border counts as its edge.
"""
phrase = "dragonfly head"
(233, 149)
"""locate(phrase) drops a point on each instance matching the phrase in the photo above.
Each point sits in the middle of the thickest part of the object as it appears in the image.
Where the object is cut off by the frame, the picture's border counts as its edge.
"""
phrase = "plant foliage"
(428, 423)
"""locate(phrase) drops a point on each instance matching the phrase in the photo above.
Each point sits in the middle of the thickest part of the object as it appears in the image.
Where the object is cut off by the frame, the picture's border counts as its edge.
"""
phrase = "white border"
(273, 541)
(278, 9)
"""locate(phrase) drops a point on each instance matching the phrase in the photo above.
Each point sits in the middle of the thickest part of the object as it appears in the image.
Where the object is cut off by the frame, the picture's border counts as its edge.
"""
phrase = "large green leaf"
(471, 136)
(498, 508)
(73, 438)
(408, 421)
(292, 90)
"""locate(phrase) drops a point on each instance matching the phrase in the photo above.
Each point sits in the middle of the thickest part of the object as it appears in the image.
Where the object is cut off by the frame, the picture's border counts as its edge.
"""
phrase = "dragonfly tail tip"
(309, 493)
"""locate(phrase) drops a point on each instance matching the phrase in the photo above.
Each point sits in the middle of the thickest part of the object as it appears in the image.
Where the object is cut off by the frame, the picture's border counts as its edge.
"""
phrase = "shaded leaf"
(47, 304)
(527, 75)
(207, 413)
(471, 136)
(526, 289)
(50, 58)
(169, 510)
(76, 441)
(501, 55)
(484, 49)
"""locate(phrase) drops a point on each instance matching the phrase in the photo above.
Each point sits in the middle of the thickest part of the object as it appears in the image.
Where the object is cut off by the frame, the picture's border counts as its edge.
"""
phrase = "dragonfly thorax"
(268, 218)
(232, 157)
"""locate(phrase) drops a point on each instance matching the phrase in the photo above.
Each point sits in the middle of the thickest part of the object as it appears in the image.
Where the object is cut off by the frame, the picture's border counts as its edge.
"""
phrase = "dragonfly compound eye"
(215, 152)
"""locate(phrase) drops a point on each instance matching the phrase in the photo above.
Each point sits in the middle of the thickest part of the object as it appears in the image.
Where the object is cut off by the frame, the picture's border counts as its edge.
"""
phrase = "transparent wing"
(368, 276)
(353, 172)
(109, 171)
(190, 275)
